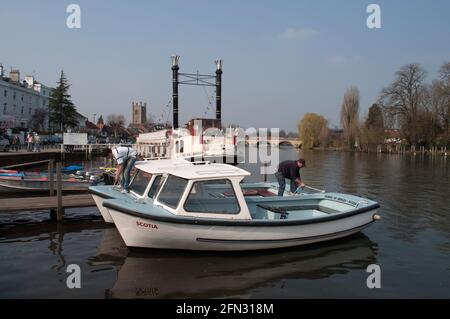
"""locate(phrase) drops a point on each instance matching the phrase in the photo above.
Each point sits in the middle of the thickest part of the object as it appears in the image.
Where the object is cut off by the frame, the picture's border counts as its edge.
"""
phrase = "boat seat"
(277, 210)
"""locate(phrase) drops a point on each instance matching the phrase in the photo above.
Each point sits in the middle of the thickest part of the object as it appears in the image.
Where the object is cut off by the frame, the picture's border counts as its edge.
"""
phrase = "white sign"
(75, 139)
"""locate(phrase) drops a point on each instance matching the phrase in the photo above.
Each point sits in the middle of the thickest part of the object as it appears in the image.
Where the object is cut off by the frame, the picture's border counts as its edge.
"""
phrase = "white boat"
(159, 167)
(202, 206)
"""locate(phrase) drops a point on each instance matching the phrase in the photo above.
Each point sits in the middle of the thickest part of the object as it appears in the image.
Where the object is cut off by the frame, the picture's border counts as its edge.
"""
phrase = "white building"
(20, 99)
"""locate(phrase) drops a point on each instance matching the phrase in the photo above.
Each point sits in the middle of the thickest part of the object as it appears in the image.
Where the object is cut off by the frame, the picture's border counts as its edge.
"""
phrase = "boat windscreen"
(157, 182)
(140, 182)
(215, 197)
(172, 191)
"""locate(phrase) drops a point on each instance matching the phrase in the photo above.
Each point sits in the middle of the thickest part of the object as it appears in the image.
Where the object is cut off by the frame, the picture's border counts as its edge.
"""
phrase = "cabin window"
(217, 197)
(156, 185)
(172, 191)
(140, 182)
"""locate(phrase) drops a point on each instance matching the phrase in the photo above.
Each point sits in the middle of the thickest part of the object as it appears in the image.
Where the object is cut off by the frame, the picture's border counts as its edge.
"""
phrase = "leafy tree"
(372, 130)
(312, 129)
(63, 113)
(37, 121)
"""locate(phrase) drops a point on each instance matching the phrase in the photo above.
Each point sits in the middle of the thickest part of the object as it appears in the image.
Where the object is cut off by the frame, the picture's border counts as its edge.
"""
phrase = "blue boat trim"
(100, 194)
(230, 222)
(287, 240)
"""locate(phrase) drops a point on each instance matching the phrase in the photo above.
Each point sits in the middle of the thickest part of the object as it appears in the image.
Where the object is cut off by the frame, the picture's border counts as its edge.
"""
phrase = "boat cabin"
(197, 189)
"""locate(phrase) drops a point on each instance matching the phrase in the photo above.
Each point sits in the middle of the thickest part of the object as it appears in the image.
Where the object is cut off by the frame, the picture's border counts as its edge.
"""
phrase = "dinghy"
(34, 182)
(203, 207)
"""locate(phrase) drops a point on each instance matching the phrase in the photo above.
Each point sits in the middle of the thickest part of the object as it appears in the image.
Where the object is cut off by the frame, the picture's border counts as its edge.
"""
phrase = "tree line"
(419, 111)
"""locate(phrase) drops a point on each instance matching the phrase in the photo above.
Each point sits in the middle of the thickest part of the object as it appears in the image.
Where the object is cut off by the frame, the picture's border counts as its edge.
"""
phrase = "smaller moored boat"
(34, 182)
(203, 206)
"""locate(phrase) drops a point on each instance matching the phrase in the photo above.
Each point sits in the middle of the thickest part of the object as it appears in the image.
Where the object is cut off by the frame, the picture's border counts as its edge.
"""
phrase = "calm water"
(411, 244)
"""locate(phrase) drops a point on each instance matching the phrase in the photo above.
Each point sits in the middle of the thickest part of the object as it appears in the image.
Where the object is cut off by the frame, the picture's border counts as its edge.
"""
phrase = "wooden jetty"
(45, 203)
(55, 203)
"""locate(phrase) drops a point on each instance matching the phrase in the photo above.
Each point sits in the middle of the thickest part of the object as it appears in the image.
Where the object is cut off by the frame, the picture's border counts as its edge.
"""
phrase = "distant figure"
(290, 170)
(16, 143)
(29, 142)
(125, 158)
(36, 142)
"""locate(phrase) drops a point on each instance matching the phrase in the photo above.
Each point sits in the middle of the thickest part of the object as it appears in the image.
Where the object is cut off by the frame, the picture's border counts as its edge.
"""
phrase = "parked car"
(4, 144)
(55, 140)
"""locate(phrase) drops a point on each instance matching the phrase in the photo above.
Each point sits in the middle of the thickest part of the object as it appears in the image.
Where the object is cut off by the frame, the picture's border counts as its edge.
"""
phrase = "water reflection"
(412, 238)
(178, 274)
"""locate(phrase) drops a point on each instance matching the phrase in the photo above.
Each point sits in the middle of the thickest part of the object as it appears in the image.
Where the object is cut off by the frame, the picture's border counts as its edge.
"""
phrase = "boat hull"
(142, 232)
(103, 210)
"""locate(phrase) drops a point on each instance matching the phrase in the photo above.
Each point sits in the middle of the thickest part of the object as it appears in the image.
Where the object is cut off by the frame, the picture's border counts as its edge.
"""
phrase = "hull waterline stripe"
(268, 241)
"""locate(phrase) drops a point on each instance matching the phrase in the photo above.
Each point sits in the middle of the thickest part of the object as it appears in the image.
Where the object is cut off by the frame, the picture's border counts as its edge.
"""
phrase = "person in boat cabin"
(125, 158)
(290, 170)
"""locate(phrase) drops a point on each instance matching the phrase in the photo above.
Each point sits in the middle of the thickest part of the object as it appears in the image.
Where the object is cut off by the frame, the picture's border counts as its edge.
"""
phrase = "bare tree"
(116, 122)
(404, 98)
(442, 100)
(350, 115)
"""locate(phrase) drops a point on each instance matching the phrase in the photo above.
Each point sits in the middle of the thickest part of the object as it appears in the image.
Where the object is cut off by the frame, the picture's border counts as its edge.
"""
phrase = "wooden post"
(59, 210)
(51, 178)
(265, 164)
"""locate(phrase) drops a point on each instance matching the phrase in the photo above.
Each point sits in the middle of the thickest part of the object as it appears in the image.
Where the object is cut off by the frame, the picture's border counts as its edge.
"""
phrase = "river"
(411, 244)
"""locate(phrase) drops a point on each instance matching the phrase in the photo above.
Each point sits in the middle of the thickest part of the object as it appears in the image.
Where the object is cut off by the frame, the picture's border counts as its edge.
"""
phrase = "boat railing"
(299, 189)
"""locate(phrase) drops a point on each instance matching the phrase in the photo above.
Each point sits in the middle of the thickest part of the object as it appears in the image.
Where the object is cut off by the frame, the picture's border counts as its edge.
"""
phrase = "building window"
(5, 108)
(21, 98)
(14, 96)
(43, 102)
(5, 94)
(21, 112)
(14, 109)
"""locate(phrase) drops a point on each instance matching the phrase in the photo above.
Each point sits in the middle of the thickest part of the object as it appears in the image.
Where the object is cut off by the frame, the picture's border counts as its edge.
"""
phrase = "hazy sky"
(282, 59)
